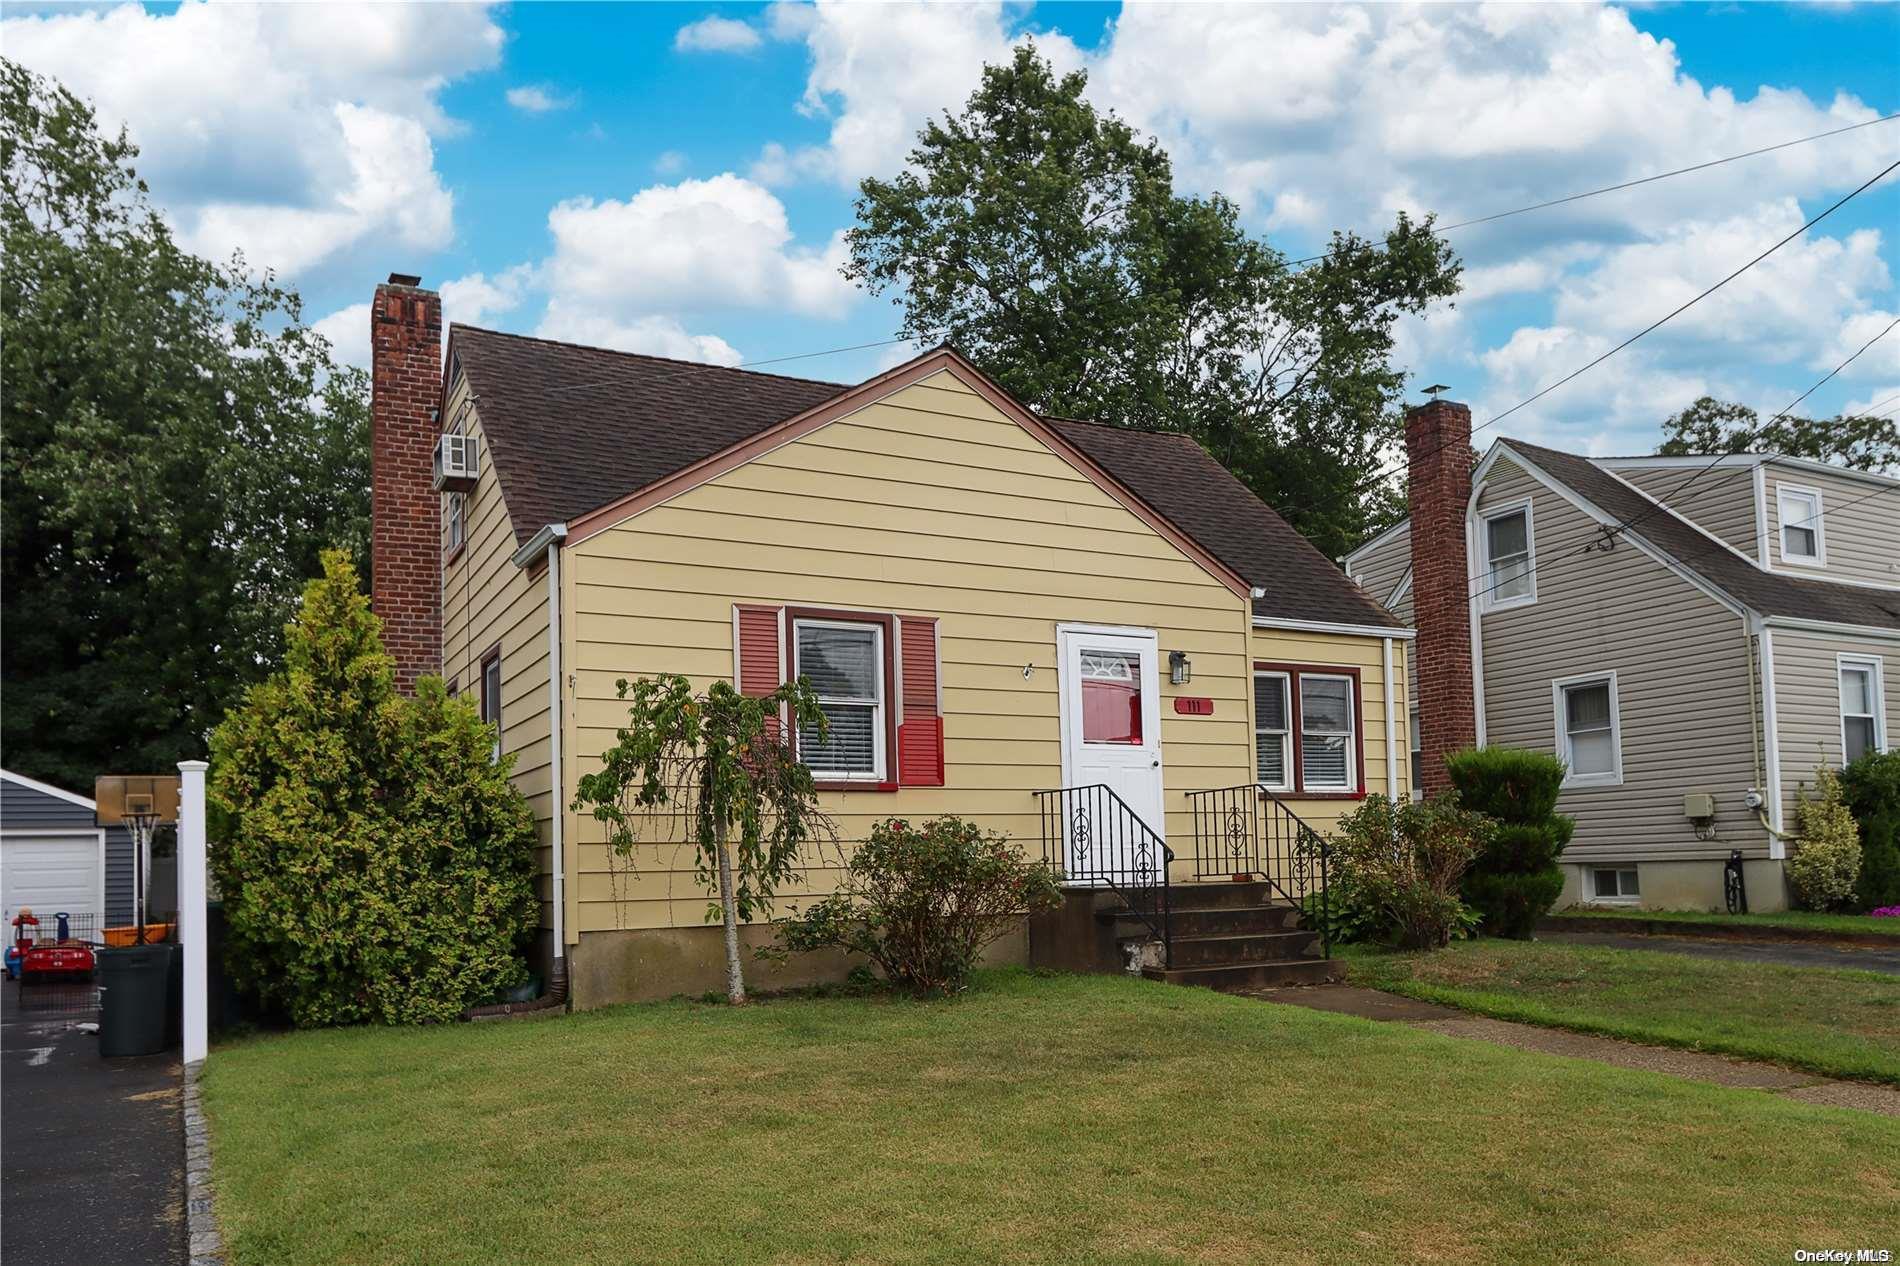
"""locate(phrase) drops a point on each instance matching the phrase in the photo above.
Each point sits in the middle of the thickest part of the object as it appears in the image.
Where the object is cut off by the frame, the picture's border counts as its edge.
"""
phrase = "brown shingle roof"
(572, 428)
(1179, 481)
(1765, 592)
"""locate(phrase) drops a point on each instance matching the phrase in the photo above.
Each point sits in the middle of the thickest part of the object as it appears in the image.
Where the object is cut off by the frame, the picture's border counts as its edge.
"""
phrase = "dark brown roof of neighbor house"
(1184, 485)
(571, 429)
(1765, 592)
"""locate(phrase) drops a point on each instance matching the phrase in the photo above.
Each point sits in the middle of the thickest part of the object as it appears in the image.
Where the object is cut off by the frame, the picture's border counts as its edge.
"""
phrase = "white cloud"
(292, 132)
(698, 245)
(717, 35)
(537, 99)
(654, 335)
(348, 332)
(477, 298)
(670, 163)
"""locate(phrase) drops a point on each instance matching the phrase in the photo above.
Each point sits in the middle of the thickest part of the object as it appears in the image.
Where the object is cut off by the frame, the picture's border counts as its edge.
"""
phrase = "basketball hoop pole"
(142, 824)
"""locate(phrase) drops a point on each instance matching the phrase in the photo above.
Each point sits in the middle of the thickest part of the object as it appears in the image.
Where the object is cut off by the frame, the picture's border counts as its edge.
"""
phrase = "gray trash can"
(134, 995)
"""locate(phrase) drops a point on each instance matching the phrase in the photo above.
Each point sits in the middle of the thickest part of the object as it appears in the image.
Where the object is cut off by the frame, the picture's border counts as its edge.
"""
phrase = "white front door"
(1111, 736)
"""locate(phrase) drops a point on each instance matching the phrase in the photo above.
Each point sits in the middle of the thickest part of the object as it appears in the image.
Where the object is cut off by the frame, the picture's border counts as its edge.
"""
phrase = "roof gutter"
(1829, 626)
(551, 534)
(1327, 626)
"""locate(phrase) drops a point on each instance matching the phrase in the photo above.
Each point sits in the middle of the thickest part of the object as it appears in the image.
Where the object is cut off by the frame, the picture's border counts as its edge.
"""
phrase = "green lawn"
(1038, 1119)
(1843, 1023)
(1804, 920)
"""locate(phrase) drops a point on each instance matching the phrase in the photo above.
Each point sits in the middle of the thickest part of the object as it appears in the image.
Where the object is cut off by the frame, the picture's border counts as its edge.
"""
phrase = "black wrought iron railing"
(1247, 830)
(1091, 837)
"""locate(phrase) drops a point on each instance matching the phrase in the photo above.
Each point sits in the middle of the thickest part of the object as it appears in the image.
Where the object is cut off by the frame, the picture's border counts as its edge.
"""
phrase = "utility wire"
(1631, 184)
(1369, 481)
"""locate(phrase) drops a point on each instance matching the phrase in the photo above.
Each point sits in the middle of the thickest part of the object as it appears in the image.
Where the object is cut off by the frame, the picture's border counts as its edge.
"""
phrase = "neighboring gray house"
(1669, 640)
(54, 856)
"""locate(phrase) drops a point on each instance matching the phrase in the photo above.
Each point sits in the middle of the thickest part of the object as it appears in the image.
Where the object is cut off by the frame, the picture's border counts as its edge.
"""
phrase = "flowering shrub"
(1887, 912)
(1826, 866)
(922, 902)
(1401, 864)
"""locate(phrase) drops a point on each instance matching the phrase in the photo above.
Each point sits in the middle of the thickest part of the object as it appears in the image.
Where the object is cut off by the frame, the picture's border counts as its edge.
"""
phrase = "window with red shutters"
(761, 668)
(920, 732)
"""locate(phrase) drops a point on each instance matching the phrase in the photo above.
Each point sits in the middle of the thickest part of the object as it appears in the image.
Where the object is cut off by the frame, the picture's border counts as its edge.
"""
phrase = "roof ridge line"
(646, 356)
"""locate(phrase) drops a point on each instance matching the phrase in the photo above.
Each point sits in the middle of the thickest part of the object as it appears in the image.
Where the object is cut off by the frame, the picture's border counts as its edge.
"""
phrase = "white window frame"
(1560, 717)
(1619, 897)
(1492, 602)
(1877, 670)
(1289, 751)
(455, 513)
(880, 761)
(1352, 736)
(1818, 522)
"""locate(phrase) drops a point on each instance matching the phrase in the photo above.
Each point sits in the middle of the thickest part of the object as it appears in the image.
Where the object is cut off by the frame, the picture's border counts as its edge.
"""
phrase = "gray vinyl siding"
(1720, 502)
(1683, 683)
(23, 808)
(1808, 702)
(1378, 571)
(1859, 534)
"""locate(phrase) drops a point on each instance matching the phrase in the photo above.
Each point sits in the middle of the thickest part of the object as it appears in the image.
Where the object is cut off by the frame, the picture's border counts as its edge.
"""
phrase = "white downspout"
(1391, 729)
(1771, 739)
(556, 535)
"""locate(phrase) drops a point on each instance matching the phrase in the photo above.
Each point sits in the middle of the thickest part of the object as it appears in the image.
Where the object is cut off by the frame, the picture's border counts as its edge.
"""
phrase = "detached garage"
(54, 858)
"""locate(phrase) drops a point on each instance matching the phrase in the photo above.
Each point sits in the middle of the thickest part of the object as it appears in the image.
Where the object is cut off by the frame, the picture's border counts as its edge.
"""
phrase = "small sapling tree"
(717, 764)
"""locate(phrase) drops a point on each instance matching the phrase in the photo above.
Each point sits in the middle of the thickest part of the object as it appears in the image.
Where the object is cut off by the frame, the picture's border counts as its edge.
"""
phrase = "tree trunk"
(729, 907)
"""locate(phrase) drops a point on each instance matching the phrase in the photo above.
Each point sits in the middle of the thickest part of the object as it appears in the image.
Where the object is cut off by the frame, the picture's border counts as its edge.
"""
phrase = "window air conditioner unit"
(457, 462)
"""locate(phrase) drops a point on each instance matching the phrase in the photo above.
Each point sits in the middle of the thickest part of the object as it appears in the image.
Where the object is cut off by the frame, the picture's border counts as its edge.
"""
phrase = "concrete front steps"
(1237, 936)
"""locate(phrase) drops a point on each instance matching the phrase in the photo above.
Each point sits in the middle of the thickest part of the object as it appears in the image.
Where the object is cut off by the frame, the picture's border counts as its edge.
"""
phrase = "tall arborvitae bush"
(1871, 787)
(375, 863)
(1516, 879)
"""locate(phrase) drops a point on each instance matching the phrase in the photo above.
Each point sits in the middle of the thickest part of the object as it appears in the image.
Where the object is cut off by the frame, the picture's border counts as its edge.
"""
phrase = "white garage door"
(51, 873)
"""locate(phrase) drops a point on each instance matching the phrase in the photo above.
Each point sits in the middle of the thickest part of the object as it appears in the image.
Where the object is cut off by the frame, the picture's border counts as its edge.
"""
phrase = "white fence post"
(192, 922)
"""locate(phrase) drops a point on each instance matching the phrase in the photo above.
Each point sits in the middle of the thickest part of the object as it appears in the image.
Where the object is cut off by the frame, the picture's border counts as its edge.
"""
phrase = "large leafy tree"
(176, 449)
(1860, 441)
(1044, 239)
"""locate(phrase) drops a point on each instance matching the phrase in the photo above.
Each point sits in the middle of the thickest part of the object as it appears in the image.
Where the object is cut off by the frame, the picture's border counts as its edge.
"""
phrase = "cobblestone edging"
(201, 1223)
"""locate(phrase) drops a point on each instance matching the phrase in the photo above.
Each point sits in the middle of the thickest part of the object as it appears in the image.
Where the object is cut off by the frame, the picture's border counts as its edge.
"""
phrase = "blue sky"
(673, 178)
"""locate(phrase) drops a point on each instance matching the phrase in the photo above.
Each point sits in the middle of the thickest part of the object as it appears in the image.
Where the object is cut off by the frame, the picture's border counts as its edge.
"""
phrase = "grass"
(1037, 1119)
(1841, 1023)
(1805, 920)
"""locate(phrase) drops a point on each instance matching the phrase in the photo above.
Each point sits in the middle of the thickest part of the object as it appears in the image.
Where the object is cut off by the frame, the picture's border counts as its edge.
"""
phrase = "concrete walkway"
(1783, 953)
(93, 1155)
(1371, 1004)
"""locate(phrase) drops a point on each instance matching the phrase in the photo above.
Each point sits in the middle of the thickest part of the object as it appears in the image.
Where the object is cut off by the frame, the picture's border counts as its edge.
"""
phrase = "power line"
(1631, 184)
(1371, 480)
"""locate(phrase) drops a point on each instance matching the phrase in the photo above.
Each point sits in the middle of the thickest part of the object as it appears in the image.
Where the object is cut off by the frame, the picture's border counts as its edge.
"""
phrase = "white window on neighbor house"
(1863, 711)
(1803, 534)
(453, 513)
(1328, 754)
(1611, 884)
(1510, 575)
(1272, 731)
(1589, 734)
(844, 661)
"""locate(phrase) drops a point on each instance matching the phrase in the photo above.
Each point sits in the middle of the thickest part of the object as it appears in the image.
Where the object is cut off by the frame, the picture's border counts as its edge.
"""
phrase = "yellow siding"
(487, 600)
(927, 502)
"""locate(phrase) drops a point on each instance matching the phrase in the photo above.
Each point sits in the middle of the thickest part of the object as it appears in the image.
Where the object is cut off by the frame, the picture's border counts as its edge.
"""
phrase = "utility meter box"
(1698, 804)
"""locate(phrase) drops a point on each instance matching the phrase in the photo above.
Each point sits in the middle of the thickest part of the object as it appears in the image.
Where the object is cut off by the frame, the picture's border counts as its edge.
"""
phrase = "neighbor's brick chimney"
(1438, 443)
(405, 336)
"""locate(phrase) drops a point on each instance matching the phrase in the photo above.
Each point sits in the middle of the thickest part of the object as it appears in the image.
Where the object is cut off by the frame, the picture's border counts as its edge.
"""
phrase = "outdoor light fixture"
(1180, 669)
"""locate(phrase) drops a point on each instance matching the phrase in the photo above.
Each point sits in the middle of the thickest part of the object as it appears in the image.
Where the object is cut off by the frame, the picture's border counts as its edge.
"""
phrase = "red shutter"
(920, 735)
(759, 661)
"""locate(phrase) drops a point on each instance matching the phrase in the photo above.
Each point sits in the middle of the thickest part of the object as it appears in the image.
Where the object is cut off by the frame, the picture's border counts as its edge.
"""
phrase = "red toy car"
(47, 958)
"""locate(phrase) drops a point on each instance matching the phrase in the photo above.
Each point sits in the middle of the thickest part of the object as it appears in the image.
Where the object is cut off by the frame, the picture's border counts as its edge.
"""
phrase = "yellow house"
(1091, 638)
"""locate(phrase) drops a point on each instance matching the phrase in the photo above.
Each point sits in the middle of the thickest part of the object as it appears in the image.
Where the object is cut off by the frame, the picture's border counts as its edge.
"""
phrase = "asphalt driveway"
(92, 1158)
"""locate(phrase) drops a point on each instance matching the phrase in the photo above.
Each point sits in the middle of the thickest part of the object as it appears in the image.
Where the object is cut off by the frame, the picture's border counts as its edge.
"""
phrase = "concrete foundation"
(1682, 885)
(640, 965)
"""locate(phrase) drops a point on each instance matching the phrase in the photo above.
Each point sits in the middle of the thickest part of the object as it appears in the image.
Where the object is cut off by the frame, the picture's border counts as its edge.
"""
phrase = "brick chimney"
(405, 510)
(1438, 443)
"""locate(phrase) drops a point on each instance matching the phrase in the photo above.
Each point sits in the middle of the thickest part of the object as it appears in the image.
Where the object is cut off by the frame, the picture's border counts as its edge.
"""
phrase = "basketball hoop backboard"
(121, 799)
